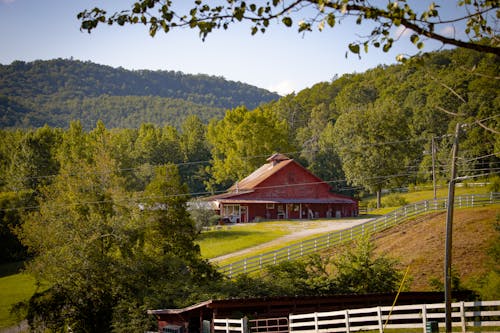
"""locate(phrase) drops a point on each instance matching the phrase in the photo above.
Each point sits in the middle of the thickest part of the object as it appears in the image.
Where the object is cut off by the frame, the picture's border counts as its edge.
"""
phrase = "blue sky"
(280, 60)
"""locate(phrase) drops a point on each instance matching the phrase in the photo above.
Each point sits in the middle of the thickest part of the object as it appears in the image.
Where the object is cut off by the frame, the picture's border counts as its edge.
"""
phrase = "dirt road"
(299, 230)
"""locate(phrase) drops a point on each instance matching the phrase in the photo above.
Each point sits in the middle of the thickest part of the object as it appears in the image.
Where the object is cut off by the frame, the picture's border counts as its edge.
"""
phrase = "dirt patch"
(421, 245)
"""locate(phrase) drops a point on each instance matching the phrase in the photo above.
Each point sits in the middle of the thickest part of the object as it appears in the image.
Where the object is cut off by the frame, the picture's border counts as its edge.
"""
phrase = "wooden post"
(347, 324)
(424, 318)
(380, 325)
(449, 236)
(462, 317)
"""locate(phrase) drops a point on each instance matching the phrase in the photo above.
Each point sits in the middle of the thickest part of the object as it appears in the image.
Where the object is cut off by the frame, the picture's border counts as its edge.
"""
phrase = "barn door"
(244, 214)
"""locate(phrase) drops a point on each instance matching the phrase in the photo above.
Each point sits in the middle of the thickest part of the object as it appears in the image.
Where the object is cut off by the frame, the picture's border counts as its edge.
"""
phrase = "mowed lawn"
(233, 238)
(13, 289)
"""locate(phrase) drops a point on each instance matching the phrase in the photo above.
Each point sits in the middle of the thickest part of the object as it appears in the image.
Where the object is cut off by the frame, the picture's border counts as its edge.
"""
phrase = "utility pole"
(433, 151)
(449, 229)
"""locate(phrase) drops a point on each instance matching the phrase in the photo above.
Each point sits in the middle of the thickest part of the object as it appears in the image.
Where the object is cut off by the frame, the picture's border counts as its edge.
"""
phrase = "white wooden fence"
(467, 316)
(230, 325)
(292, 252)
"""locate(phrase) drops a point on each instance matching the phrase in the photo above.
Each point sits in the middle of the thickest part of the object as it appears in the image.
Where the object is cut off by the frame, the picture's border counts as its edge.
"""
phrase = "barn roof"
(261, 174)
(330, 200)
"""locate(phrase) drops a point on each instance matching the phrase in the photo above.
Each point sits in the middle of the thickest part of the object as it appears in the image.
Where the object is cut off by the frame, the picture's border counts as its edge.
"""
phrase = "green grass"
(13, 289)
(219, 242)
(417, 196)
(266, 249)
(238, 237)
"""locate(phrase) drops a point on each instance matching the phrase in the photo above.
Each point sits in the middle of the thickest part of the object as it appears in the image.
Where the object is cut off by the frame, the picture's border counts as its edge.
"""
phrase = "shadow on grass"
(11, 268)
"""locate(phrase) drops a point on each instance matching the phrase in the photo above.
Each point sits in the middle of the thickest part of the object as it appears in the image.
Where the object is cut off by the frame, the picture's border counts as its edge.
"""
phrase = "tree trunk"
(379, 198)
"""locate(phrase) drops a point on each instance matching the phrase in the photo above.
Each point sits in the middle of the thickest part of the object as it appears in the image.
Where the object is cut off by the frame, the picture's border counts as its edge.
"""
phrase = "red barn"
(282, 189)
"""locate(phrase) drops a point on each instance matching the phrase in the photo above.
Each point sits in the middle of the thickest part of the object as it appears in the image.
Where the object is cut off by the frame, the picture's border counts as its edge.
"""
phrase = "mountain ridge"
(36, 93)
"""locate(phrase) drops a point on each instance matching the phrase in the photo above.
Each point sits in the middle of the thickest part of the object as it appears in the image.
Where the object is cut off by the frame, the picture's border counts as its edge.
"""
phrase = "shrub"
(394, 200)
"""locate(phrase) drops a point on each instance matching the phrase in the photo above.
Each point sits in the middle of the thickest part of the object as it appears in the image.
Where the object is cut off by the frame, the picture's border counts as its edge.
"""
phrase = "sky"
(281, 60)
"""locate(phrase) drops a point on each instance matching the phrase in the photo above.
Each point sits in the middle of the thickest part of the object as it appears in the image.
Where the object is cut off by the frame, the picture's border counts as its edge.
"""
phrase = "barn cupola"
(276, 158)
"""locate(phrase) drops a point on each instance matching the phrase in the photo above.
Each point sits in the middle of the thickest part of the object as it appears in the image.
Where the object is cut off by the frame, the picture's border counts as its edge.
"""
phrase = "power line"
(137, 200)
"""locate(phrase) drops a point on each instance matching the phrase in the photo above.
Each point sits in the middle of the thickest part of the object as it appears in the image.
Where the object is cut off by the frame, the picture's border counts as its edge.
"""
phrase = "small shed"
(282, 189)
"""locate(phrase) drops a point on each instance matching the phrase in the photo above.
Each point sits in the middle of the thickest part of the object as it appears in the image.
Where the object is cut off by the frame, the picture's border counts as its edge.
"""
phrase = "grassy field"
(233, 238)
(13, 289)
(417, 196)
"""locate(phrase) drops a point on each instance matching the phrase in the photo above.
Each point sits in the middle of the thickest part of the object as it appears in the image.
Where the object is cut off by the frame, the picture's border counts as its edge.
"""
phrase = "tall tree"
(104, 260)
(196, 153)
(375, 146)
(242, 141)
(75, 235)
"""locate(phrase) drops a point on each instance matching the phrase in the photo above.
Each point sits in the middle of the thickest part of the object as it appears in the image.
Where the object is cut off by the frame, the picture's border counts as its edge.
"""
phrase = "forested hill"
(55, 92)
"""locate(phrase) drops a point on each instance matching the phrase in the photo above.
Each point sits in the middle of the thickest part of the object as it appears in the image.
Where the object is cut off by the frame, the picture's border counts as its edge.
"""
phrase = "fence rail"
(465, 315)
(258, 262)
(230, 325)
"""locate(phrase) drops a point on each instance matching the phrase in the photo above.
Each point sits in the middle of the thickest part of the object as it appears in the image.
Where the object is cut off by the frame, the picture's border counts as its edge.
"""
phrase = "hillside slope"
(55, 91)
(420, 244)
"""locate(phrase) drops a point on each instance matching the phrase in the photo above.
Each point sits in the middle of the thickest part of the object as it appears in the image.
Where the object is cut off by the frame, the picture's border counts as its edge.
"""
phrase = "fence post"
(227, 325)
(288, 254)
(347, 324)
(244, 325)
(424, 318)
(316, 326)
(462, 316)
(379, 314)
(245, 265)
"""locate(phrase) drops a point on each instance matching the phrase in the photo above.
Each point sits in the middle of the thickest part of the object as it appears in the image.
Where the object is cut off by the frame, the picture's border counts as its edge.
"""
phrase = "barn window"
(232, 210)
(270, 206)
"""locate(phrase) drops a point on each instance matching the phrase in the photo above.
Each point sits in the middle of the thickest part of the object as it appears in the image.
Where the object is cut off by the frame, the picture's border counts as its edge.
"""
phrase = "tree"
(103, 259)
(75, 236)
(358, 271)
(242, 141)
(196, 152)
(375, 146)
(477, 17)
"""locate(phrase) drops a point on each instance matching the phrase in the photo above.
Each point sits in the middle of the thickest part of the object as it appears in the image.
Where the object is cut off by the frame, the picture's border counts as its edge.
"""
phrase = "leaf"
(330, 19)
(354, 48)
(287, 21)
(414, 38)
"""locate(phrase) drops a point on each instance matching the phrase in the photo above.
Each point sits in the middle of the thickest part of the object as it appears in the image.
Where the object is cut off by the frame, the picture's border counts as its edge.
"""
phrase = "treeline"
(56, 91)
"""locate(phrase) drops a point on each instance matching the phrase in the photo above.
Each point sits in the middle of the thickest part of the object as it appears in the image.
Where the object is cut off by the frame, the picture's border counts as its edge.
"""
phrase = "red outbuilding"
(282, 189)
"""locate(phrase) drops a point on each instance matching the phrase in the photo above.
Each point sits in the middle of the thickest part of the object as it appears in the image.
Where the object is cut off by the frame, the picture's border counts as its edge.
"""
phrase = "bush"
(494, 184)
(394, 200)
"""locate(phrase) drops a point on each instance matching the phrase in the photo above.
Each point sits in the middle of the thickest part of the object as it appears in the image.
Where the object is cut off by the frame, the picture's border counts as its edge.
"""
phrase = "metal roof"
(287, 200)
